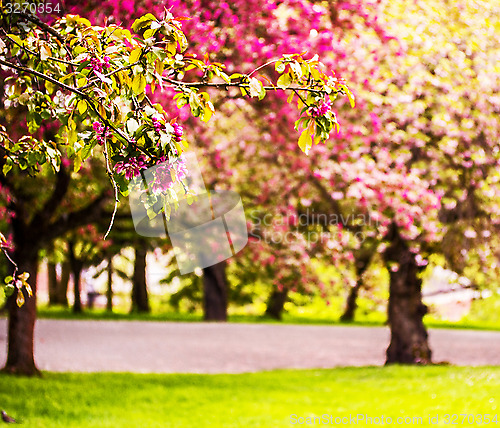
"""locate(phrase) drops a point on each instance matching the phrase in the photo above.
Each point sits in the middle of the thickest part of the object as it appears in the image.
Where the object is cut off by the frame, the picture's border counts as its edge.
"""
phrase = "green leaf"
(139, 84)
(20, 298)
(132, 126)
(150, 33)
(181, 102)
(284, 81)
(143, 21)
(349, 95)
(134, 55)
(305, 141)
(255, 87)
(9, 289)
(236, 75)
(7, 166)
(82, 106)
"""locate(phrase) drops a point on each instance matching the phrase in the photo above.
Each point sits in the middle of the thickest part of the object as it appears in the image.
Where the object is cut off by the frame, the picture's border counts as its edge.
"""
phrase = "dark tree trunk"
(53, 283)
(351, 302)
(215, 292)
(409, 339)
(140, 299)
(58, 288)
(109, 290)
(276, 303)
(76, 271)
(62, 286)
(363, 259)
(20, 356)
(77, 304)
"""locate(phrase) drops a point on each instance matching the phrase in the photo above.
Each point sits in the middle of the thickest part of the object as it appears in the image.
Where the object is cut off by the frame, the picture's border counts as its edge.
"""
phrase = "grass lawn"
(489, 319)
(266, 399)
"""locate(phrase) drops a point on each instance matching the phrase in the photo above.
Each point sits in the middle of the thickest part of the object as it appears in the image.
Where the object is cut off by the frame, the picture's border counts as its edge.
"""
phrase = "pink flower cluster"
(178, 131)
(98, 64)
(157, 124)
(166, 174)
(321, 109)
(131, 167)
(100, 134)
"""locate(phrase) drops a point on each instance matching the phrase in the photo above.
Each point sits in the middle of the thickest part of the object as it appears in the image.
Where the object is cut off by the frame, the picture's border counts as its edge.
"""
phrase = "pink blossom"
(131, 167)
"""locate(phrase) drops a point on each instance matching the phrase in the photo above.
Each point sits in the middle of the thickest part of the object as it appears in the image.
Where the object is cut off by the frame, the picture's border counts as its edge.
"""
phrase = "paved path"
(169, 347)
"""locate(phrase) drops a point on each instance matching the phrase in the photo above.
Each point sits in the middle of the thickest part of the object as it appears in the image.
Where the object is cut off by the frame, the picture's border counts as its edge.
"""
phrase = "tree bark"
(351, 302)
(58, 287)
(409, 339)
(109, 290)
(362, 262)
(52, 282)
(62, 286)
(215, 292)
(77, 304)
(140, 299)
(76, 270)
(276, 303)
(20, 355)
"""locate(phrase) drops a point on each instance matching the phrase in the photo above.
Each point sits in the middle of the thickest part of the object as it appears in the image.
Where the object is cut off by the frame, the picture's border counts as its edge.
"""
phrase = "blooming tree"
(96, 82)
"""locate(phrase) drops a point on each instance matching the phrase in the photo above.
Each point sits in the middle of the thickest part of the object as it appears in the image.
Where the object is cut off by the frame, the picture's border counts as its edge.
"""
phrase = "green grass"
(484, 315)
(264, 399)
(99, 314)
(485, 319)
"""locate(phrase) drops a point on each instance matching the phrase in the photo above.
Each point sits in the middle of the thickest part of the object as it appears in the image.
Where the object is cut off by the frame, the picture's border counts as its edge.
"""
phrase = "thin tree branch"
(115, 188)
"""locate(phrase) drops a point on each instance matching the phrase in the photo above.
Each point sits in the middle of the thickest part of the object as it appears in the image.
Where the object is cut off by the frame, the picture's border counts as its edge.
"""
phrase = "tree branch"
(42, 218)
(89, 214)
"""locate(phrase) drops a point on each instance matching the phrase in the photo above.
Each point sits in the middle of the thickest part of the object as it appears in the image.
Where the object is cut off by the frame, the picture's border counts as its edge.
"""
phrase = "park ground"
(407, 395)
(113, 396)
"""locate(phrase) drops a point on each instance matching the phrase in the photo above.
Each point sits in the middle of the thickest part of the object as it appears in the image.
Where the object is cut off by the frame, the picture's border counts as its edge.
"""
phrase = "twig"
(35, 20)
(125, 67)
(12, 261)
(43, 76)
(223, 85)
(262, 66)
(115, 187)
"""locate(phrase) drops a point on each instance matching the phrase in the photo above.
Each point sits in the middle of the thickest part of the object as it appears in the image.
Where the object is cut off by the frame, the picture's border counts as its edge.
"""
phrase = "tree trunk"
(363, 260)
(351, 302)
(76, 271)
(109, 290)
(58, 288)
(77, 275)
(276, 303)
(215, 292)
(409, 339)
(140, 299)
(53, 283)
(20, 356)
(62, 286)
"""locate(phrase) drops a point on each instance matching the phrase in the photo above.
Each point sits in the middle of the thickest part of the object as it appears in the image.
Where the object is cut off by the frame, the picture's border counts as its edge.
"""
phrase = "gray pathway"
(169, 347)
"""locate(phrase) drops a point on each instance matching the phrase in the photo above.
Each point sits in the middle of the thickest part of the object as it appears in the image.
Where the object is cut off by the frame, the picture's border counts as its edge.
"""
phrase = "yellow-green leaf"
(255, 87)
(134, 55)
(139, 84)
(207, 114)
(305, 141)
(82, 106)
(349, 95)
(284, 81)
(20, 299)
(45, 52)
(82, 81)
